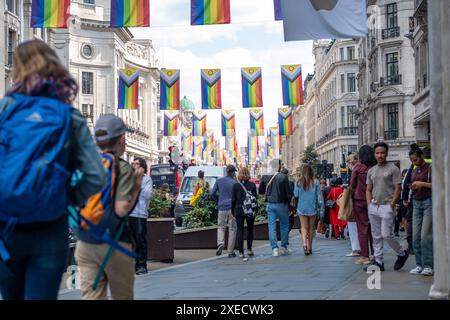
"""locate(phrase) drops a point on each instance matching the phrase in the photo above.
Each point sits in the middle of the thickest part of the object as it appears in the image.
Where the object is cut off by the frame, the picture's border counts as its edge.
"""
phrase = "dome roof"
(186, 104)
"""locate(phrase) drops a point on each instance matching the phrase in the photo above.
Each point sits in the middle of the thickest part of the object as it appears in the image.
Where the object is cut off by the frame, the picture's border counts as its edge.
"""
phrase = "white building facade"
(93, 53)
(336, 99)
(387, 79)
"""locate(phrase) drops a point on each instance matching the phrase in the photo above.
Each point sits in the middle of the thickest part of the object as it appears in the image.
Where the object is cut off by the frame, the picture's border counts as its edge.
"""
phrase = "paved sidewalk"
(327, 274)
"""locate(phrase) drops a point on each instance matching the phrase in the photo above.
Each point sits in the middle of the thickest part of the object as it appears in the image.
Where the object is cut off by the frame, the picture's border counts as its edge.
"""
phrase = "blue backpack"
(34, 152)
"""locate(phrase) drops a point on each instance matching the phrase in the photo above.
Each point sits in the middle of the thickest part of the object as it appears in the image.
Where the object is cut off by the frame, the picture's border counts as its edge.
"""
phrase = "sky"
(253, 39)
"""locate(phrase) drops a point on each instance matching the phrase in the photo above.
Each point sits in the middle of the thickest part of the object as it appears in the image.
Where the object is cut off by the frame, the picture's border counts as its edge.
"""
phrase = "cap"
(111, 124)
(231, 168)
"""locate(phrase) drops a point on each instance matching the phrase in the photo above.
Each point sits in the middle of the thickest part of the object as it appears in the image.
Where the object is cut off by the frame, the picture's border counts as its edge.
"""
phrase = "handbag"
(345, 204)
(330, 203)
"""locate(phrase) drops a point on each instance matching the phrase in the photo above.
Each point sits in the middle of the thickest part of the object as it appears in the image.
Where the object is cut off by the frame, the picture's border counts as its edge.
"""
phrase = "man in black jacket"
(278, 197)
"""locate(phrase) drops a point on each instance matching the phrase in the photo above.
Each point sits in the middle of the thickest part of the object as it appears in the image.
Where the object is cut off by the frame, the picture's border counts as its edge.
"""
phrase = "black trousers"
(139, 231)
(240, 218)
(409, 219)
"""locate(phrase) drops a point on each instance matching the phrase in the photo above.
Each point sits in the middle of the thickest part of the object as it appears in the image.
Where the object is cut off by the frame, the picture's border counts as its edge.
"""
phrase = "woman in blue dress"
(310, 206)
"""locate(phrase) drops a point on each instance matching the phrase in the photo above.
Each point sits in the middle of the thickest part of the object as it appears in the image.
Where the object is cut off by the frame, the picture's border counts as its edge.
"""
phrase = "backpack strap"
(242, 185)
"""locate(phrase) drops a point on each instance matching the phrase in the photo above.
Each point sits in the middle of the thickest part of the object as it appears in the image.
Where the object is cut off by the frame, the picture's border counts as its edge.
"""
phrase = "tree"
(310, 156)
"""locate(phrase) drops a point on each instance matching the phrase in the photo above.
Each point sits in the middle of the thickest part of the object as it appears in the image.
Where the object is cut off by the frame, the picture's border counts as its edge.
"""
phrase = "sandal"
(306, 251)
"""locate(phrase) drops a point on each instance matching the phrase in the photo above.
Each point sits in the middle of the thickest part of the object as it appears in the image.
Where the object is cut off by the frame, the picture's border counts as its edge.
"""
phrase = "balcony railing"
(326, 138)
(391, 134)
(391, 80)
(390, 33)
(348, 131)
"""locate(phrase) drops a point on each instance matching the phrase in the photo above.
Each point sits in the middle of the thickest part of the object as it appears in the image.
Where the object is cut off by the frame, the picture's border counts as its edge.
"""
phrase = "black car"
(164, 173)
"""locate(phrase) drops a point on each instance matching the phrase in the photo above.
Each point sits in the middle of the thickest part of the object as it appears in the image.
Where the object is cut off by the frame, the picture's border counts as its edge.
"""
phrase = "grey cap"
(111, 124)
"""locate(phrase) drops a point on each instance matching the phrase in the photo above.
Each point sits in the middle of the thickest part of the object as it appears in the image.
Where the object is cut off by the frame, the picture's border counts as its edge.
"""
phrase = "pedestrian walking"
(352, 226)
(91, 254)
(44, 141)
(198, 187)
(358, 184)
(222, 192)
(138, 218)
(278, 197)
(382, 193)
(326, 217)
(337, 224)
(422, 213)
(244, 208)
(309, 200)
(406, 196)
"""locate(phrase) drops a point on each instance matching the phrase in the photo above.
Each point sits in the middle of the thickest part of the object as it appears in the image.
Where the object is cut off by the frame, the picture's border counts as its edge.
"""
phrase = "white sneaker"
(275, 252)
(427, 272)
(416, 270)
(285, 251)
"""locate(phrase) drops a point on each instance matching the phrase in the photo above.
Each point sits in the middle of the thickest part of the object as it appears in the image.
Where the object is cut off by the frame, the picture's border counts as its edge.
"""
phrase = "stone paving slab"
(327, 274)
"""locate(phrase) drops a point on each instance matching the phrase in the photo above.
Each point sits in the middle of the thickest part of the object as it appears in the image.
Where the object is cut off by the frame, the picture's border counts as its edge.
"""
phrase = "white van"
(182, 205)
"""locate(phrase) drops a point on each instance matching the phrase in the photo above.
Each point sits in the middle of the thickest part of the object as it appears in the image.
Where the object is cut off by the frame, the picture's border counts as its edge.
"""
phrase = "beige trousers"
(119, 272)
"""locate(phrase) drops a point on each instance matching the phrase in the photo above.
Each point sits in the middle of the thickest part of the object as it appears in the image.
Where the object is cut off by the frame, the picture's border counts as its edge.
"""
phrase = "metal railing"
(348, 131)
(391, 80)
(326, 138)
(390, 33)
(391, 134)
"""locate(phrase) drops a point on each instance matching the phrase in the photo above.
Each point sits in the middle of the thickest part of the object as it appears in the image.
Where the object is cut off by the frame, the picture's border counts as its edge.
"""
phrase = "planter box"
(201, 238)
(206, 238)
(160, 239)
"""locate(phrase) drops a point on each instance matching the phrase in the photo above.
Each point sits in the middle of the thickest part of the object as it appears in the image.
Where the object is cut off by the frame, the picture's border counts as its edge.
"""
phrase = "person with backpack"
(43, 141)
(309, 200)
(422, 212)
(138, 218)
(278, 196)
(98, 263)
(244, 207)
(222, 193)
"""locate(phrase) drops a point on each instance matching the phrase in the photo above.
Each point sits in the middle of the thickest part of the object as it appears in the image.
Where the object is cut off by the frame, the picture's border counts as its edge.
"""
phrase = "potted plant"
(160, 239)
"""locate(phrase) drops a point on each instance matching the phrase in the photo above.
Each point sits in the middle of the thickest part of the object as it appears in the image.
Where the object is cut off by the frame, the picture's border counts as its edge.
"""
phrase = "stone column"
(439, 39)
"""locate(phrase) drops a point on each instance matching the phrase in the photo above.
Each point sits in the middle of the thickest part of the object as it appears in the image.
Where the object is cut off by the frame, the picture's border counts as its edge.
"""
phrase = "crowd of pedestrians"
(62, 167)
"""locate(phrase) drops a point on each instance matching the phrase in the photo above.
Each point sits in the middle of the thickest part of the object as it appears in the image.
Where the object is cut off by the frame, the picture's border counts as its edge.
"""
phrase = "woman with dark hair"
(422, 213)
(358, 185)
(38, 247)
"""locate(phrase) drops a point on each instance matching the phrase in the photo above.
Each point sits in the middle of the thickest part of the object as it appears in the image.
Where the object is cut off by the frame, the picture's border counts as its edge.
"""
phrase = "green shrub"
(203, 214)
(262, 212)
(157, 204)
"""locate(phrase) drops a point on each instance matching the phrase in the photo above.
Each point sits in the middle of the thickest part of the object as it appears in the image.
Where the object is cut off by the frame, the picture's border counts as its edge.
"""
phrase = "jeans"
(240, 217)
(381, 221)
(38, 260)
(139, 232)
(423, 232)
(280, 211)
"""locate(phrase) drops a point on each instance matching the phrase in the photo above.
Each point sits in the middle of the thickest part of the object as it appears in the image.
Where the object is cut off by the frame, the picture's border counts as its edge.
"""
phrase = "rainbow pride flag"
(130, 13)
(251, 87)
(228, 123)
(209, 140)
(50, 13)
(186, 141)
(128, 88)
(275, 140)
(252, 147)
(198, 123)
(170, 123)
(285, 121)
(197, 150)
(231, 146)
(211, 89)
(257, 122)
(291, 79)
(170, 89)
(210, 12)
